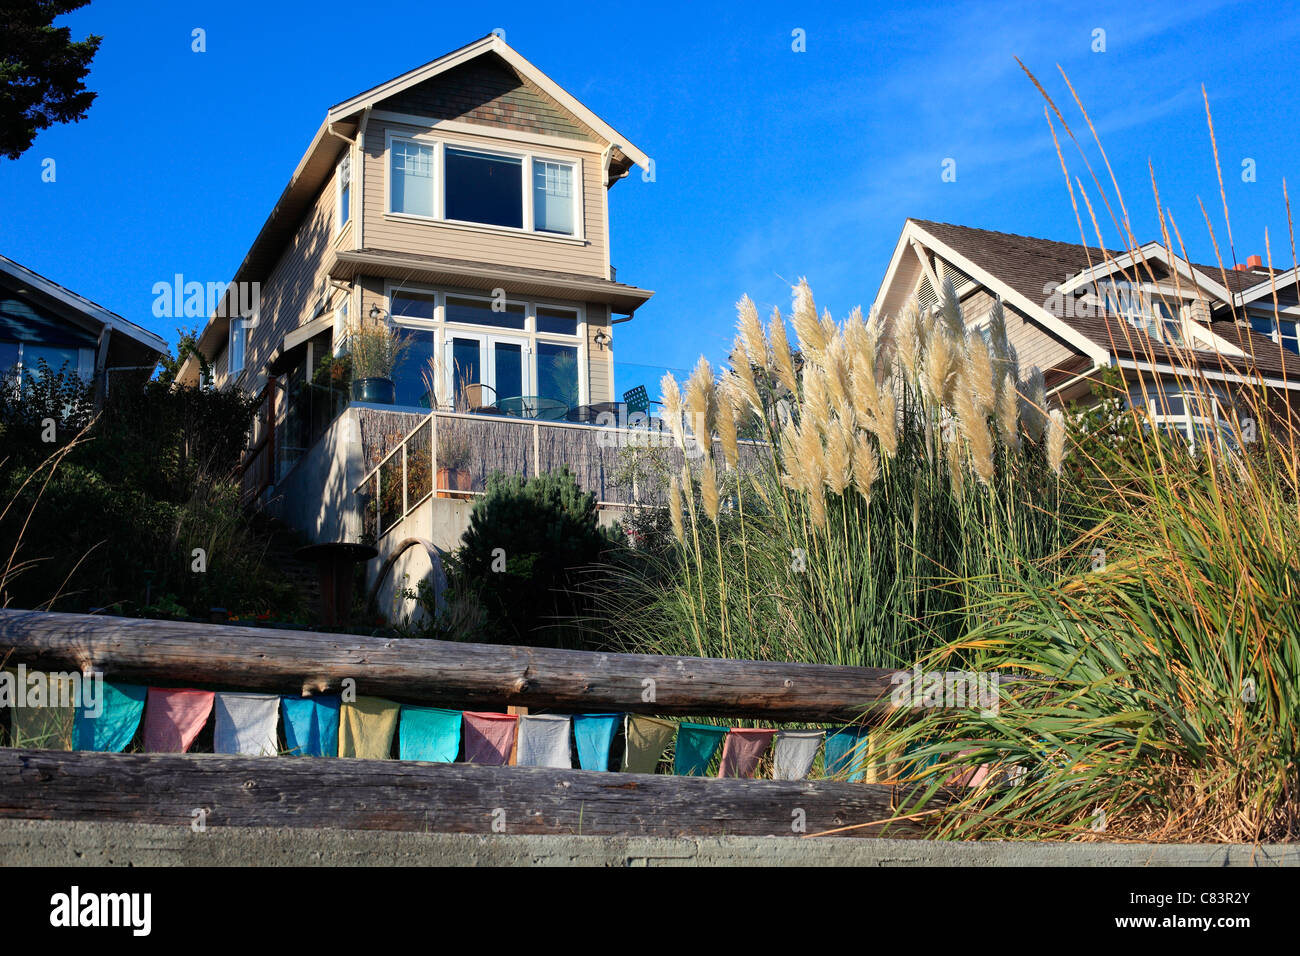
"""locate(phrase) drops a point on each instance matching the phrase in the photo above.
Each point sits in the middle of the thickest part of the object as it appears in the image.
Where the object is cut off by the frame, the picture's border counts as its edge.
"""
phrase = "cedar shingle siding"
(487, 91)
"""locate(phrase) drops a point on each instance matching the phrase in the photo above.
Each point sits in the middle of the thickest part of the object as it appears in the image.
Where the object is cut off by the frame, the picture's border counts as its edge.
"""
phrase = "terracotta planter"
(452, 481)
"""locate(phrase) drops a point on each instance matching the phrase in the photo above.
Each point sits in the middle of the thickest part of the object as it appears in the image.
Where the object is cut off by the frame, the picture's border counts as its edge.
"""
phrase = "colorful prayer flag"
(846, 749)
(366, 728)
(112, 730)
(311, 725)
(429, 733)
(544, 741)
(246, 724)
(794, 752)
(594, 734)
(646, 740)
(696, 745)
(489, 738)
(742, 749)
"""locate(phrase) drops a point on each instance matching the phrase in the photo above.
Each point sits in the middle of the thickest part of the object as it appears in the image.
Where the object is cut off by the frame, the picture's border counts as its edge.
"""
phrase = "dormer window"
(495, 189)
(1284, 332)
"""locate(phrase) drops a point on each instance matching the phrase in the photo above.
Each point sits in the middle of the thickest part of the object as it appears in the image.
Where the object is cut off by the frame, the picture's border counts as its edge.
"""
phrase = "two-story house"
(1157, 318)
(463, 203)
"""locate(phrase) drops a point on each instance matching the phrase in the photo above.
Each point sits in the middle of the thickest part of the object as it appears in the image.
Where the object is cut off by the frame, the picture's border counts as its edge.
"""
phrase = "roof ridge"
(1012, 235)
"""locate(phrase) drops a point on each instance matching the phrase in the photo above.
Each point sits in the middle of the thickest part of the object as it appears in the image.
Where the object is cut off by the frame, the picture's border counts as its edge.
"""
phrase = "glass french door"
(498, 361)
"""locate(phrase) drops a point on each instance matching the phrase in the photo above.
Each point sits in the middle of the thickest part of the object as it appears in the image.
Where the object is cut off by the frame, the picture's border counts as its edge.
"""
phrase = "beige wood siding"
(433, 238)
(1033, 346)
(600, 359)
(292, 291)
(218, 364)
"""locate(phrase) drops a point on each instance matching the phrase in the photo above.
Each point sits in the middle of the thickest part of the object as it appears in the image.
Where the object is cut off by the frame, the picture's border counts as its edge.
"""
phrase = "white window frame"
(436, 165)
(1275, 326)
(444, 330)
(236, 325)
(341, 313)
(525, 155)
(488, 370)
(341, 220)
(1187, 421)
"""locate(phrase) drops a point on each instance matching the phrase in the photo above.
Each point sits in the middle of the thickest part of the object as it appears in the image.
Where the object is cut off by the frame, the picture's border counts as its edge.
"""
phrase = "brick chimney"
(1255, 262)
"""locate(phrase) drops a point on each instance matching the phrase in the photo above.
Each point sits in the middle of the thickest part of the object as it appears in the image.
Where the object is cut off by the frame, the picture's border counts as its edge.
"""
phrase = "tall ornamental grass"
(897, 461)
(1156, 693)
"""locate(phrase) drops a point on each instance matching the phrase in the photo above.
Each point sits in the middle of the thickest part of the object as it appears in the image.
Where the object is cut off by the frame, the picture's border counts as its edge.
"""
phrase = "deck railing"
(452, 454)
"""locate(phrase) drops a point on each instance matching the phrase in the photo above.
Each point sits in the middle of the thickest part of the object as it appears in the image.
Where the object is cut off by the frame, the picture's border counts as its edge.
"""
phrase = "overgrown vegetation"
(905, 460)
(135, 510)
(1135, 594)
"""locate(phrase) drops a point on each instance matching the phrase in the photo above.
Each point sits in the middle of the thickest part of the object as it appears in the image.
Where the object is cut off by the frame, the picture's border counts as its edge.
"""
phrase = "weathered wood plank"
(408, 795)
(470, 676)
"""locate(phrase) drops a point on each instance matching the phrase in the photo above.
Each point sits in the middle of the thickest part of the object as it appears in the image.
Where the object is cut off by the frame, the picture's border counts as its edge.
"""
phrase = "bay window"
(485, 187)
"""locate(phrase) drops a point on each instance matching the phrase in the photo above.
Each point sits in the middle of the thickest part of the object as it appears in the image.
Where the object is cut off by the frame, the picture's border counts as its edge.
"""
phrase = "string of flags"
(170, 720)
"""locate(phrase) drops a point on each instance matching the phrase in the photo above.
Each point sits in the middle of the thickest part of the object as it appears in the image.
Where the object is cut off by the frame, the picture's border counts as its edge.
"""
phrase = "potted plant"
(454, 453)
(375, 350)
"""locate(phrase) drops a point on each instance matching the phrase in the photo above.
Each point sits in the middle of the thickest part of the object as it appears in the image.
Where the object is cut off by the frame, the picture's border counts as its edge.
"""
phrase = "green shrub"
(526, 549)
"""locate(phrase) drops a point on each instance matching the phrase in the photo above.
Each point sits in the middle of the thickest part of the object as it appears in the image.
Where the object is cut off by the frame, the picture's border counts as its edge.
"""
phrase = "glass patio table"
(535, 407)
(591, 414)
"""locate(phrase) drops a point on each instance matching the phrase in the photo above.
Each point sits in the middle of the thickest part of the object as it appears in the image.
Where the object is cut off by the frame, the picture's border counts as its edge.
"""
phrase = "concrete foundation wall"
(316, 498)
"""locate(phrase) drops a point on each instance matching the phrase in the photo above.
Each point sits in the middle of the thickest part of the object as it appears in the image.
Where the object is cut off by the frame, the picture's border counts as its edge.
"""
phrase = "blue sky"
(771, 164)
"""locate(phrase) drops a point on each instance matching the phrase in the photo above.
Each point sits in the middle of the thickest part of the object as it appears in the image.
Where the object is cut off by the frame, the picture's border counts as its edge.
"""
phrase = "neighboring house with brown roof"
(464, 203)
(1073, 310)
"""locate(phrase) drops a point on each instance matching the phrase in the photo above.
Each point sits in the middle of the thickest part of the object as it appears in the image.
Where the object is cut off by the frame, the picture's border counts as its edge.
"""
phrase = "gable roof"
(1024, 270)
(94, 313)
(492, 43)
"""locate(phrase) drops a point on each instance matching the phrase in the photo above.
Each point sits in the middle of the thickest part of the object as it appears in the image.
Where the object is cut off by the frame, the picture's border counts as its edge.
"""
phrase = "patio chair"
(479, 398)
(637, 400)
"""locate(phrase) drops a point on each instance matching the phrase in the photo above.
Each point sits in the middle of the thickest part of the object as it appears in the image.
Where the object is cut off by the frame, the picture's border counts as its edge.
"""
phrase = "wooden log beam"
(307, 792)
(468, 676)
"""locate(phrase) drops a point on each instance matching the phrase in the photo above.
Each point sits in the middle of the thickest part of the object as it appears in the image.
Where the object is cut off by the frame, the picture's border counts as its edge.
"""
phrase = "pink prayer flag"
(488, 738)
(742, 749)
(173, 718)
(968, 778)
